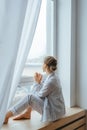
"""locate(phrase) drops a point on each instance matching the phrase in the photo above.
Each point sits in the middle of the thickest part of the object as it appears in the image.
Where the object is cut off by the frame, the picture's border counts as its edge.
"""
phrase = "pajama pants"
(31, 100)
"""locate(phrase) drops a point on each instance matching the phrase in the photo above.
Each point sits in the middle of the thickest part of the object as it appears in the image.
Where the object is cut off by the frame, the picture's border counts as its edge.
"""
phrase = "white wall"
(63, 40)
(66, 48)
(72, 50)
(82, 53)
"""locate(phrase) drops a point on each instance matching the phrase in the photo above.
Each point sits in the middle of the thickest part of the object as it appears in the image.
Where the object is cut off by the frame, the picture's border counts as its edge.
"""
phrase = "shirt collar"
(51, 74)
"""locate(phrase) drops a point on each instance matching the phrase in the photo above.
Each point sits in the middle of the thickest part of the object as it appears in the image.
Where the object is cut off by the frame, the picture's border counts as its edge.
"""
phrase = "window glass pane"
(39, 49)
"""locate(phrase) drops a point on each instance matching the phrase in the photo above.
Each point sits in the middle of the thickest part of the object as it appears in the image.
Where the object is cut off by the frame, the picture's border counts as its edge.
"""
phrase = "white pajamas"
(46, 98)
(31, 100)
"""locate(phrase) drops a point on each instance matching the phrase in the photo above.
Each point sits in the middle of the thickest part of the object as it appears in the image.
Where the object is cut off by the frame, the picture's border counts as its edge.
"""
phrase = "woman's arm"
(38, 77)
(47, 88)
(37, 87)
(38, 82)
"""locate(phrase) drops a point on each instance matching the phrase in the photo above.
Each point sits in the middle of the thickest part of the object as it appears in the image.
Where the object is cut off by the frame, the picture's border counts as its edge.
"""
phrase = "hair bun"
(51, 62)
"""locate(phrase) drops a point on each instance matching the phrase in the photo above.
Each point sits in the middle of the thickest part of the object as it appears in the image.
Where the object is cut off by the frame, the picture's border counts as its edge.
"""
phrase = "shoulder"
(55, 81)
(54, 78)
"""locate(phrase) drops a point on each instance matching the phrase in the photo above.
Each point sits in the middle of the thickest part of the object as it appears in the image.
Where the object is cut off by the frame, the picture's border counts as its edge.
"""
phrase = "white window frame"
(52, 38)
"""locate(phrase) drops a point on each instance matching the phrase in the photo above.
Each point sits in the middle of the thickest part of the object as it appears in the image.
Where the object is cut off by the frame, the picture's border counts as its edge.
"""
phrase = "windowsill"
(30, 69)
(33, 64)
(72, 117)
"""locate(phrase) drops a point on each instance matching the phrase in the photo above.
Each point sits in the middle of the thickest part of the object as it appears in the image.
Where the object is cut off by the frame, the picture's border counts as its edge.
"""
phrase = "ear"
(47, 68)
(45, 65)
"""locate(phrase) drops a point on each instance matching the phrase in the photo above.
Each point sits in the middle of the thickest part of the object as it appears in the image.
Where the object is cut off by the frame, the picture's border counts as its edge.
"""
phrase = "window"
(39, 47)
(43, 43)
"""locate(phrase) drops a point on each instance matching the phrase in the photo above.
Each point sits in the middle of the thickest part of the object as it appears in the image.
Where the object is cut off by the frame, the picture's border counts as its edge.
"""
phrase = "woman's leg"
(8, 115)
(36, 103)
(18, 108)
(29, 101)
(24, 115)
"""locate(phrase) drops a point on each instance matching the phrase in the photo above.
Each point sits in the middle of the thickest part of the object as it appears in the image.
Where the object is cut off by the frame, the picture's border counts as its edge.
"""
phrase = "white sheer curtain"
(15, 17)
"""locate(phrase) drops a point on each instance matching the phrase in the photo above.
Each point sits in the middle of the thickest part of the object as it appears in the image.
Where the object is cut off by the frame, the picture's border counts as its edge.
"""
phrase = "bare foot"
(22, 116)
(25, 115)
(8, 115)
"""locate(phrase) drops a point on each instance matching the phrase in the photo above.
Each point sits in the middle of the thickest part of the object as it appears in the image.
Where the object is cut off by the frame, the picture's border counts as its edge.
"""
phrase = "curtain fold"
(16, 17)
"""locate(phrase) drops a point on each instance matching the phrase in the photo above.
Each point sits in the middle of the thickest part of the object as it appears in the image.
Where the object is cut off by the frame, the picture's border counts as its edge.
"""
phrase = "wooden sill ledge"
(74, 119)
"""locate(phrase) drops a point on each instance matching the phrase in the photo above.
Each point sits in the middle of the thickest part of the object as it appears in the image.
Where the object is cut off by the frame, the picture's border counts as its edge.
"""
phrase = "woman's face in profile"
(44, 67)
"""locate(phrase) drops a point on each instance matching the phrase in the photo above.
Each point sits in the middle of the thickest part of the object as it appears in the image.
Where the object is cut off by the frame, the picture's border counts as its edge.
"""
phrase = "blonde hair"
(51, 63)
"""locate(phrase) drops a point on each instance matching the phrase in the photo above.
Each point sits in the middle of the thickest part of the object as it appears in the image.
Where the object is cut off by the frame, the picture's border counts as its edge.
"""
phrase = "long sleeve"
(47, 88)
(36, 87)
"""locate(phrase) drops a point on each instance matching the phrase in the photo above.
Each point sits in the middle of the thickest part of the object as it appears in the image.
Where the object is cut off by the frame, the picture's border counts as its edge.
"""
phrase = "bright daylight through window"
(39, 48)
